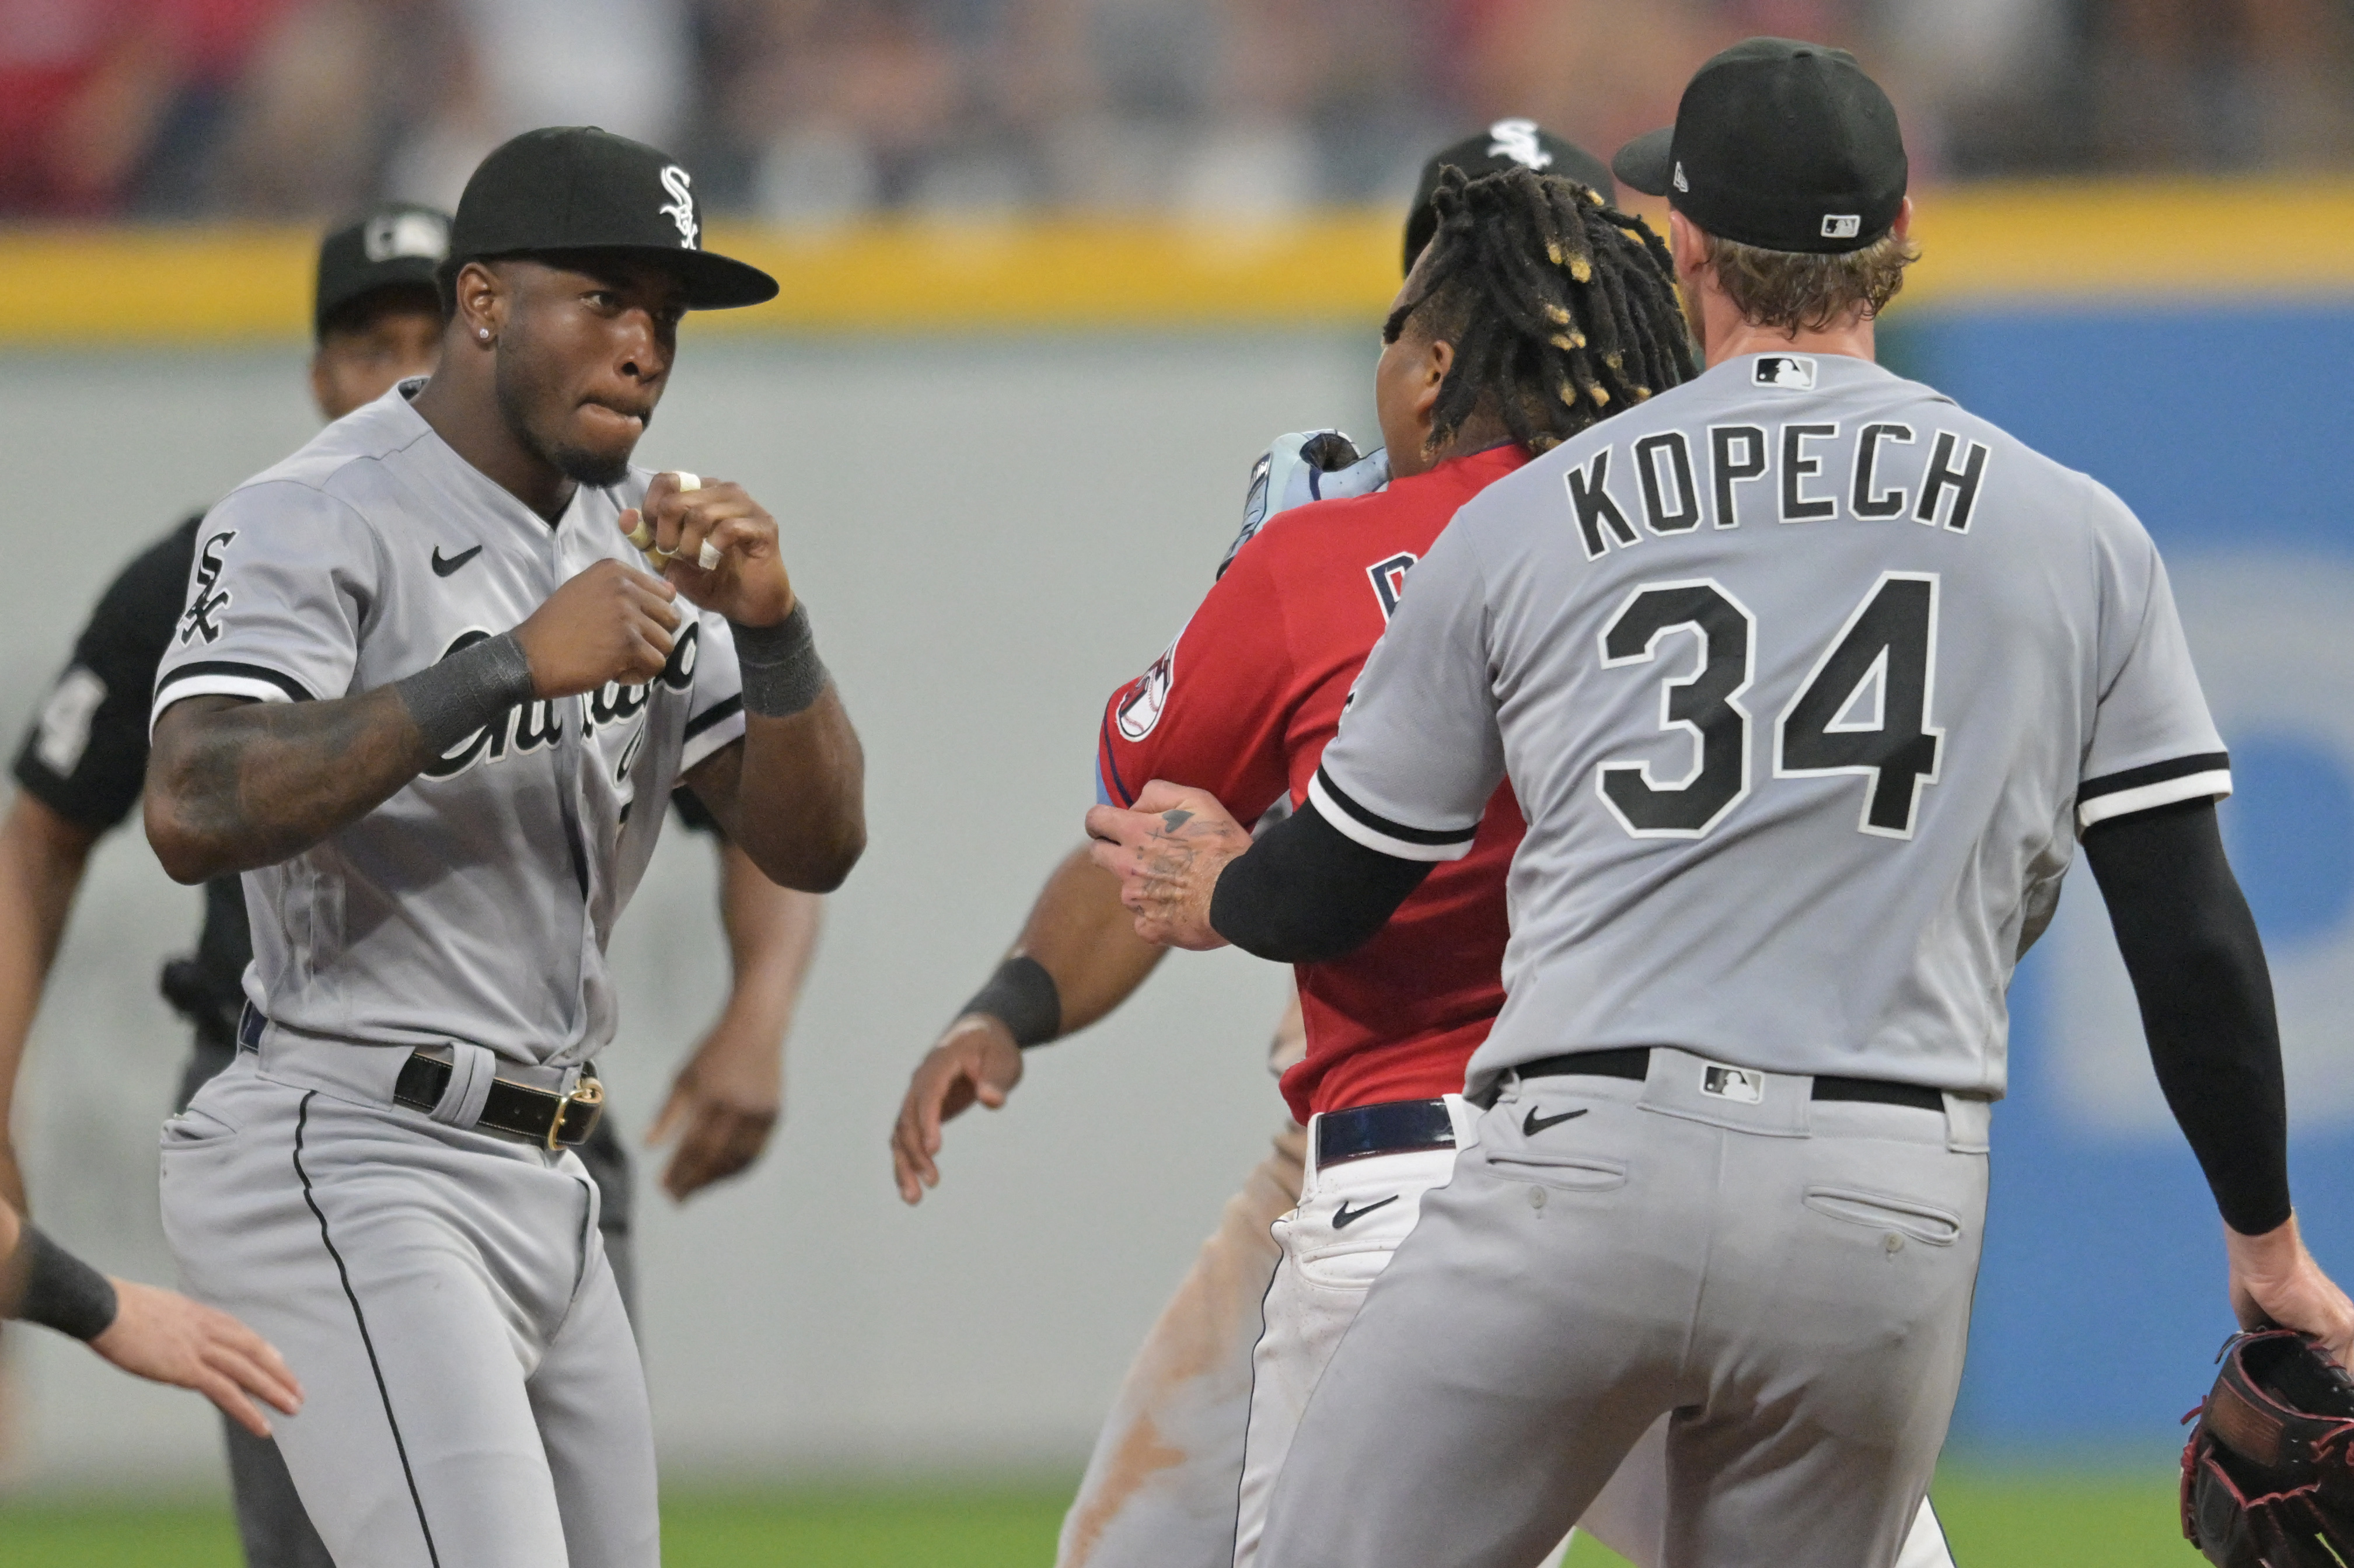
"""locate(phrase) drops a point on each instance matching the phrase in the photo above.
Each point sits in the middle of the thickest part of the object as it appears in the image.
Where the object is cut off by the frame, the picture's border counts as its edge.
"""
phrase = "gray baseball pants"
(473, 1392)
(272, 1527)
(1788, 1280)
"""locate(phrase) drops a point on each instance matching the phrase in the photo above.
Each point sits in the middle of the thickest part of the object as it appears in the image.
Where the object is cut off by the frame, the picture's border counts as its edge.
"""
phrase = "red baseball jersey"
(1242, 706)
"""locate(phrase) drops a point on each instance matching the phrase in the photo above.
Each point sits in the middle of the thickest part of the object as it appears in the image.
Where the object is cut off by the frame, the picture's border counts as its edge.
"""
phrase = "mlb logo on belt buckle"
(1733, 1082)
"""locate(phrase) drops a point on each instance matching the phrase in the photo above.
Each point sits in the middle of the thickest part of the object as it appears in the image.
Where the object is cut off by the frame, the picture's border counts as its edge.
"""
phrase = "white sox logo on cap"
(680, 210)
(1517, 140)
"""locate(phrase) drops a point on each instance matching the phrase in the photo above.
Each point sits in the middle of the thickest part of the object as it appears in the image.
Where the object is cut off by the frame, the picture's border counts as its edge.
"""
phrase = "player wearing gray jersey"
(426, 697)
(1809, 684)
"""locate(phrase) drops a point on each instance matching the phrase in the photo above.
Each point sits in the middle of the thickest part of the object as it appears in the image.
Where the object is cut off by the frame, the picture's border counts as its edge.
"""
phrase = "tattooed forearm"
(233, 785)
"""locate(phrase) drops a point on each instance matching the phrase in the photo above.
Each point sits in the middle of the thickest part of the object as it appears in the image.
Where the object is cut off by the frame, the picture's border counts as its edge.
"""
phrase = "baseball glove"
(2268, 1474)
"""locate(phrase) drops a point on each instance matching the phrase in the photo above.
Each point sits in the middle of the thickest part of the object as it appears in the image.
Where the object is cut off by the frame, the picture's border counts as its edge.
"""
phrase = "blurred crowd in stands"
(811, 110)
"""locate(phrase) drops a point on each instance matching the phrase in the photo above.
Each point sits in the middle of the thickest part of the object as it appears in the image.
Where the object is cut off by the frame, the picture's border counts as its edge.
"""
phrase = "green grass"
(1996, 1520)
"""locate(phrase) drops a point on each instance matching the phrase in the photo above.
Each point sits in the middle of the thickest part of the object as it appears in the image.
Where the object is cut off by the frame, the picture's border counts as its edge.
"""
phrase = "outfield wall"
(992, 531)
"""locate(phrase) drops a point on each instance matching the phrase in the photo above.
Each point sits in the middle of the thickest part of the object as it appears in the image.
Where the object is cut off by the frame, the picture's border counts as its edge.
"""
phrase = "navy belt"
(1393, 1127)
(1634, 1062)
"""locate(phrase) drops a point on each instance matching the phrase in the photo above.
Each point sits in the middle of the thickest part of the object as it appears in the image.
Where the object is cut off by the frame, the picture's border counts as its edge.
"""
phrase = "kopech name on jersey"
(1673, 482)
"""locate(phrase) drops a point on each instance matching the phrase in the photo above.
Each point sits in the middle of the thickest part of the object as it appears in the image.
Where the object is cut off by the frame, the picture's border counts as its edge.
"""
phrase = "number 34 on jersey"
(1864, 708)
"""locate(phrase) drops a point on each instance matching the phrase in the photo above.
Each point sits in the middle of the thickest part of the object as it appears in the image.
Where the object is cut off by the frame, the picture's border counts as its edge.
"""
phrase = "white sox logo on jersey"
(207, 603)
(679, 209)
(531, 726)
(1517, 140)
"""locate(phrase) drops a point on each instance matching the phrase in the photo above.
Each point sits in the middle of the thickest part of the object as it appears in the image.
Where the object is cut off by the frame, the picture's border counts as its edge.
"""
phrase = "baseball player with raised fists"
(426, 697)
(376, 321)
(1810, 684)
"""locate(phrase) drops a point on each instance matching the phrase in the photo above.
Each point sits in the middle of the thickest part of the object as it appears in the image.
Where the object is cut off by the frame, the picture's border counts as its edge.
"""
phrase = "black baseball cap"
(397, 245)
(577, 187)
(1780, 144)
(1506, 145)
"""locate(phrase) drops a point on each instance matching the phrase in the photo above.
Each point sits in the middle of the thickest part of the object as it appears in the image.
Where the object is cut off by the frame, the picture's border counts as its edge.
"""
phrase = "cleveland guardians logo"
(679, 209)
(206, 602)
(1141, 709)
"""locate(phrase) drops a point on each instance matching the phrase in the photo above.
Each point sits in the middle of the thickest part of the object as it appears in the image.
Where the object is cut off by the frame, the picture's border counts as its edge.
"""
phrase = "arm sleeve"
(2198, 969)
(1212, 711)
(285, 578)
(1419, 755)
(715, 714)
(2153, 743)
(85, 753)
(1305, 893)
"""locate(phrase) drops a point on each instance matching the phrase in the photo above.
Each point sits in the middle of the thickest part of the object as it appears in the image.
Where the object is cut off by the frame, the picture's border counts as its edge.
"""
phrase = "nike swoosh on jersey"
(1345, 1217)
(1533, 1124)
(442, 569)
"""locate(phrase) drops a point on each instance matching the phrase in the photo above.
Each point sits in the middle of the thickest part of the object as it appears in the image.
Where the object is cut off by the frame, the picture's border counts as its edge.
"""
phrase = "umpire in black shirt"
(376, 321)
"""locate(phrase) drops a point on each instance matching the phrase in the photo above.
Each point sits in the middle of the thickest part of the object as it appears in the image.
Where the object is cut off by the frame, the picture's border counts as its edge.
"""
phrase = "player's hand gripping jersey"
(1806, 680)
(1242, 706)
(476, 902)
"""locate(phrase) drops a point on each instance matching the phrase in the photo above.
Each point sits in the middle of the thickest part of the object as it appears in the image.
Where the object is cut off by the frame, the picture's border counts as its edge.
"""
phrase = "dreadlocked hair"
(1560, 308)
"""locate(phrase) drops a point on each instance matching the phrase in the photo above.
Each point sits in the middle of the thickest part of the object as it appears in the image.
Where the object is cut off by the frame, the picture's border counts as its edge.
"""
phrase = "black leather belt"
(1634, 1062)
(543, 1116)
(1393, 1127)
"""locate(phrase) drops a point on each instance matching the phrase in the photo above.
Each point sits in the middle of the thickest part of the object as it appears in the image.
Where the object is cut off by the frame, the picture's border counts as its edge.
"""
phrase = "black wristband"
(467, 690)
(1024, 997)
(782, 672)
(61, 1291)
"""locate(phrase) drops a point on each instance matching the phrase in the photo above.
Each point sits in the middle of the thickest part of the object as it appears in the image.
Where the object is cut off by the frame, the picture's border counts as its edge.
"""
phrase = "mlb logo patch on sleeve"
(1792, 370)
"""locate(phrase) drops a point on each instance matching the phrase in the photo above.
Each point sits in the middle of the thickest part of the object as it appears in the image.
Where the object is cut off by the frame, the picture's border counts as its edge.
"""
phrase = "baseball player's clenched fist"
(611, 623)
(715, 545)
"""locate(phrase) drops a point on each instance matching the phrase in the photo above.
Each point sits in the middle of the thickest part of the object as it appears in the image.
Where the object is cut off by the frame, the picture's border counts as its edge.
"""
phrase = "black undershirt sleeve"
(1304, 891)
(2206, 995)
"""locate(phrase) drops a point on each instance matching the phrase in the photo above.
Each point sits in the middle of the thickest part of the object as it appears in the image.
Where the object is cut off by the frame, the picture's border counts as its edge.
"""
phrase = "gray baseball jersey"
(1807, 681)
(476, 904)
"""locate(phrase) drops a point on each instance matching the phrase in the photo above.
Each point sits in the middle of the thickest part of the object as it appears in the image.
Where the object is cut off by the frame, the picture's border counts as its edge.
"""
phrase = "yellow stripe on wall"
(2068, 244)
